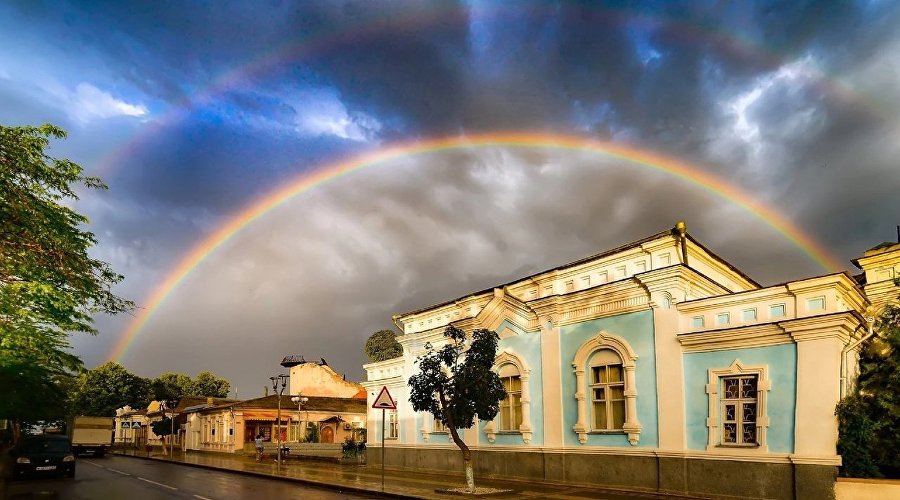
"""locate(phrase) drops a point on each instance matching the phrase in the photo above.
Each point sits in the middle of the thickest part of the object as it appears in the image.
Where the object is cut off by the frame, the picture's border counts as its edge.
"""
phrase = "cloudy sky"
(193, 112)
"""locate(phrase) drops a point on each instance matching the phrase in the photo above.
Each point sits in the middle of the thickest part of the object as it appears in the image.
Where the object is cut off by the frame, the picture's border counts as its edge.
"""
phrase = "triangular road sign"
(384, 400)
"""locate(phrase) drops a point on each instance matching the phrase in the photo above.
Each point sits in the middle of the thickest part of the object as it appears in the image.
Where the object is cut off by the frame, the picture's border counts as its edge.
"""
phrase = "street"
(116, 478)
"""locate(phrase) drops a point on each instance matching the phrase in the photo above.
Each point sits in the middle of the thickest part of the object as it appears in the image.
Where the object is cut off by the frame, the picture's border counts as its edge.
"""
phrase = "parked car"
(45, 454)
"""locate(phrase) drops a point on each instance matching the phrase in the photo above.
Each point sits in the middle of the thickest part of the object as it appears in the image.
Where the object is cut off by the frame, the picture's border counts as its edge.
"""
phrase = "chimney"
(265, 390)
(209, 401)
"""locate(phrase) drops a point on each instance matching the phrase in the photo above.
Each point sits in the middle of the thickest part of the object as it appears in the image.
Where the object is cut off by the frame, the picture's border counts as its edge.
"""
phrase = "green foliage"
(857, 437)
(350, 448)
(207, 384)
(312, 433)
(168, 386)
(870, 418)
(382, 345)
(99, 392)
(163, 427)
(49, 285)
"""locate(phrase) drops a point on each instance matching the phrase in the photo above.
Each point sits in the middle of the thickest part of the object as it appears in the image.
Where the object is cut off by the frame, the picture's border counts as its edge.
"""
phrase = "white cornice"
(733, 338)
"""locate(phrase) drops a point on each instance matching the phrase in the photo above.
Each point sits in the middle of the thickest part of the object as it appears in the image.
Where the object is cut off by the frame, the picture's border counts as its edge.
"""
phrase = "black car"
(46, 454)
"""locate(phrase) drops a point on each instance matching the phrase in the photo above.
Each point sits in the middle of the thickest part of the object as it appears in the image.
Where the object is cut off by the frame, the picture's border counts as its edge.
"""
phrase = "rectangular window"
(570, 286)
(620, 272)
(748, 315)
(697, 322)
(815, 304)
(438, 426)
(738, 411)
(393, 425)
(603, 277)
(640, 267)
(608, 397)
(664, 260)
(548, 290)
(585, 282)
(511, 406)
(776, 311)
(723, 318)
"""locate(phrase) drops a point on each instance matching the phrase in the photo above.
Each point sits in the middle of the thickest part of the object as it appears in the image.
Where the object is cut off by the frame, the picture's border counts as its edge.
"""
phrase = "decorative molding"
(762, 419)
(508, 357)
(759, 335)
(621, 347)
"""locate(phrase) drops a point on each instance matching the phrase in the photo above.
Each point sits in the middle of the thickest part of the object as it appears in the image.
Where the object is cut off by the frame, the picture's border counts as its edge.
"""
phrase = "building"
(135, 427)
(325, 401)
(653, 366)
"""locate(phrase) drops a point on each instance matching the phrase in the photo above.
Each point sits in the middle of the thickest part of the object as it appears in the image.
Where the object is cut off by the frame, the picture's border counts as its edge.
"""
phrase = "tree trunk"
(466, 452)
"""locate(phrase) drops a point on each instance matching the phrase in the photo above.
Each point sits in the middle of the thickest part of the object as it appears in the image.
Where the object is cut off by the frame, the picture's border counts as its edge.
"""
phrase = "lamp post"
(279, 392)
(301, 400)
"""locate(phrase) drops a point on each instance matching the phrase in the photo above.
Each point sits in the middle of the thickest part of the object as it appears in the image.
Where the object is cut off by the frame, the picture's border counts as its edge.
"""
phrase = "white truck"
(91, 435)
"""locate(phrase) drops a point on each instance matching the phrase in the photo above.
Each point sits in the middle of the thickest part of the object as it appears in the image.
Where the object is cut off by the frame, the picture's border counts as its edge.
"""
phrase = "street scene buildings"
(655, 365)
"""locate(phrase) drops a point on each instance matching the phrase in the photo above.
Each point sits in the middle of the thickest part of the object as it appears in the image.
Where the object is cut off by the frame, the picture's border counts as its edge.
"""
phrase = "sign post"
(384, 401)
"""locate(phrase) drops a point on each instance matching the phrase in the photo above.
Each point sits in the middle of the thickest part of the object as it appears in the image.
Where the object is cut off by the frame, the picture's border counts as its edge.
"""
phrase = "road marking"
(118, 471)
(158, 484)
(92, 463)
(201, 497)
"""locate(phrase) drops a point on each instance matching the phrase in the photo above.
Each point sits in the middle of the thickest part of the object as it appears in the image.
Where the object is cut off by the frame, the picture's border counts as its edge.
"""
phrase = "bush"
(352, 448)
(857, 437)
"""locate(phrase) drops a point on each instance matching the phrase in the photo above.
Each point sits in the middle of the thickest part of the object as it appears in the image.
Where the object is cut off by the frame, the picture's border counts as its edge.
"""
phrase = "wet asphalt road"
(116, 478)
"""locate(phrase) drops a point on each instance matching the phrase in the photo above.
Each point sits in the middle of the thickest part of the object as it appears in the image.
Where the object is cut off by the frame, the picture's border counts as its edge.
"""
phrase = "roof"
(601, 255)
(313, 403)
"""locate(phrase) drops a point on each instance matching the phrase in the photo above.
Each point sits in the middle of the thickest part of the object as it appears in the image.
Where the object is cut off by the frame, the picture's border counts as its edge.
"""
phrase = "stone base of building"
(708, 477)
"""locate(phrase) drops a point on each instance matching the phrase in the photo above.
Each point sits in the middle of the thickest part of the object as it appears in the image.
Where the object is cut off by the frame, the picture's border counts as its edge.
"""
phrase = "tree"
(101, 391)
(869, 418)
(207, 384)
(49, 285)
(456, 385)
(169, 386)
(382, 345)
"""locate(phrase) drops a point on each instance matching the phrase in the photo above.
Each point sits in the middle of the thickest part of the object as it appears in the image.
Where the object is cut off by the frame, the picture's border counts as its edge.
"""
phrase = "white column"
(818, 391)
(551, 383)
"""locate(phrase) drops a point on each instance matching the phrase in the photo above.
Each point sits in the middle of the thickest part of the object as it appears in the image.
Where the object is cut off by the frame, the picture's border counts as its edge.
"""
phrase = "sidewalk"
(368, 479)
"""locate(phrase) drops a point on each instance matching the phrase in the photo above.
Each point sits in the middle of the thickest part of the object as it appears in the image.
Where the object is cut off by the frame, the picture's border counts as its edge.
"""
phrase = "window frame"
(594, 385)
(632, 427)
(508, 357)
(714, 421)
(393, 425)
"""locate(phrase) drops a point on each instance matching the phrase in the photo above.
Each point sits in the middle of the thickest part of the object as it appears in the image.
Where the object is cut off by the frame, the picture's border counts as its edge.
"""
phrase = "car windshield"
(44, 446)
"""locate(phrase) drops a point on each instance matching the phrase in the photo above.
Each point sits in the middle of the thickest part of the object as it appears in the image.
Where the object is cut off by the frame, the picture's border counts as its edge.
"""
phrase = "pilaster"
(551, 377)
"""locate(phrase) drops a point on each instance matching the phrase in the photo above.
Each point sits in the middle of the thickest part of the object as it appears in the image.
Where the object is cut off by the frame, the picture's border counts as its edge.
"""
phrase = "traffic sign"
(135, 425)
(384, 401)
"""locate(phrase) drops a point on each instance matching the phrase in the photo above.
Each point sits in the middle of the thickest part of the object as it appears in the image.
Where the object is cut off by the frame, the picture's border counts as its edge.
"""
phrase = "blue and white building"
(653, 366)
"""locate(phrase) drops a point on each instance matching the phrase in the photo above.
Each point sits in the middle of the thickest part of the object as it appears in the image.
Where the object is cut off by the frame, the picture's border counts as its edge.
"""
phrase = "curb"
(307, 482)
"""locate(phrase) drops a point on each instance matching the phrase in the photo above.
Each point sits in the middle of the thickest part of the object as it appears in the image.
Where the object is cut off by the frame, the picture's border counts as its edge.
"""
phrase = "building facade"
(654, 366)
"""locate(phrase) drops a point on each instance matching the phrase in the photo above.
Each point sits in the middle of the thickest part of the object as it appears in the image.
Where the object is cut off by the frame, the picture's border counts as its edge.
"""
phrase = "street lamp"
(275, 381)
(301, 400)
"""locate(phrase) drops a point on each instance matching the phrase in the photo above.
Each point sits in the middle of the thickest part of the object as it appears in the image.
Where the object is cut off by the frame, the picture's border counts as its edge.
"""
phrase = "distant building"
(335, 408)
(655, 366)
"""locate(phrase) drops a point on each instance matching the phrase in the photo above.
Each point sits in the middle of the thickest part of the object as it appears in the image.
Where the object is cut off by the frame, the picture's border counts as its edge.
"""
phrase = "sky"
(194, 112)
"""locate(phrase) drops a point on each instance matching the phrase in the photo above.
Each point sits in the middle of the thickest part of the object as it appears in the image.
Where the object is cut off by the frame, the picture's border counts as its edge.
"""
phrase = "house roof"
(313, 403)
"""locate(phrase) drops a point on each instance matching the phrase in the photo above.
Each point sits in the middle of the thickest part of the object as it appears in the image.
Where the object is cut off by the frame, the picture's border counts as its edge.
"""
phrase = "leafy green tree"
(49, 285)
(207, 384)
(869, 418)
(99, 392)
(382, 345)
(456, 385)
(169, 386)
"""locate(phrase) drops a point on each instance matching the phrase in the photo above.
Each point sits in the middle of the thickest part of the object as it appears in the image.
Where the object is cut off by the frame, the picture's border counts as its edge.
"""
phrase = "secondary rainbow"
(690, 174)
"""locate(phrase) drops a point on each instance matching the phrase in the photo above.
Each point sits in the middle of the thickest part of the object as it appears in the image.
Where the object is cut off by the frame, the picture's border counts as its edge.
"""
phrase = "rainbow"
(309, 180)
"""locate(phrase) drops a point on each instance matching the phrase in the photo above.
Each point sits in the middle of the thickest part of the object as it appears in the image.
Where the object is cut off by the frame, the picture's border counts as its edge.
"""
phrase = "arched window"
(607, 383)
(511, 405)
(604, 369)
(515, 409)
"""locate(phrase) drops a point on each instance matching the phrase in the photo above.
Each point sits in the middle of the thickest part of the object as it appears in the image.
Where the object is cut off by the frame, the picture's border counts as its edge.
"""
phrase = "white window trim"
(603, 340)
(762, 419)
(506, 357)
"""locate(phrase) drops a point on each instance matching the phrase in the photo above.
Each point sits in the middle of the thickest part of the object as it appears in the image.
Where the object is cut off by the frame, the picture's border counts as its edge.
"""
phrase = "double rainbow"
(691, 175)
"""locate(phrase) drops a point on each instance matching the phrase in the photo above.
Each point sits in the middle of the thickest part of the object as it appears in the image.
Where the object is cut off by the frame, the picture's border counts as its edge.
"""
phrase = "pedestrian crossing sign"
(384, 401)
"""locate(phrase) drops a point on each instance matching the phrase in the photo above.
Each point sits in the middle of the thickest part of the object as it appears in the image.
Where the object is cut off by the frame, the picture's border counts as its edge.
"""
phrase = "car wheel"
(71, 473)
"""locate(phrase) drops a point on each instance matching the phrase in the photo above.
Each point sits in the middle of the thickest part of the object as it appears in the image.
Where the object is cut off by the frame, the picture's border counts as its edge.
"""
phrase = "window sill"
(618, 431)
(391, 438)
(739, 446)
(439, 432)
(511, 433)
